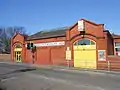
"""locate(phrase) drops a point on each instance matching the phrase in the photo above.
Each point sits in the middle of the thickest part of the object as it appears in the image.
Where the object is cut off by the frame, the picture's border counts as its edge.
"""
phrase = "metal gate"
(85, 54)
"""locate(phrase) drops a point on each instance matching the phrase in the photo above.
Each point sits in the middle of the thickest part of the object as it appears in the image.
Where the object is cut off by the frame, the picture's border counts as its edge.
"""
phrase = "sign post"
(68, 57)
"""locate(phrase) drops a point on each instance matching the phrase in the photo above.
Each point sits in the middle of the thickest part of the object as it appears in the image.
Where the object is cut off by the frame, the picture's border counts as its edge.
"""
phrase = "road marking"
(86, 86)
(6, 79)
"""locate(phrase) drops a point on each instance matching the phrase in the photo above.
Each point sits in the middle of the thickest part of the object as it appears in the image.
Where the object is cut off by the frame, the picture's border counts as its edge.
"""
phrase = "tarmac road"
(48, 79)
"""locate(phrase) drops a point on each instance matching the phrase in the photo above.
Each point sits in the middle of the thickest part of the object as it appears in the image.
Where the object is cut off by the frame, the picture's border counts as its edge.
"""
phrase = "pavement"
(32, 77)
(77, 70)
(59, 68)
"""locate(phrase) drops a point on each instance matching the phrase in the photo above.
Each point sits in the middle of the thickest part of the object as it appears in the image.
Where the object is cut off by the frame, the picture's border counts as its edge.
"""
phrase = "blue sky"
(36, 15)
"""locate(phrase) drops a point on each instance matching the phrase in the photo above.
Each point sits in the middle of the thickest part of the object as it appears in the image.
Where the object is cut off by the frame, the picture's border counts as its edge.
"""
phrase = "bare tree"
(5, 37)
(12, 30)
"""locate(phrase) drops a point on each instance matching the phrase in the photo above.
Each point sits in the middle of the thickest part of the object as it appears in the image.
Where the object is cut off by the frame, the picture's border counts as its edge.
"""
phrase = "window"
(80, 42)
(117, 49)
(92, 43)
(76, 43)
(117, 43)
(84, 41)
(18, 46)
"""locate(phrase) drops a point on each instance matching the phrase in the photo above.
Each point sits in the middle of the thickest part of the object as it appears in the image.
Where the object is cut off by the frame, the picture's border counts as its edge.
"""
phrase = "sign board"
(50, 44)
(81, 26)
(68, 48)
(102, 55)
(68, 55)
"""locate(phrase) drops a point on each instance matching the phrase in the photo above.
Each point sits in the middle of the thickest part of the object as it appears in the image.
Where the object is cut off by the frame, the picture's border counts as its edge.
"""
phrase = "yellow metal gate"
(85, 54)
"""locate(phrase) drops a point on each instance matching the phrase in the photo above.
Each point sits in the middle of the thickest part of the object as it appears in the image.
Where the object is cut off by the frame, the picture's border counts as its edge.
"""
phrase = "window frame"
(90, 42)
(18, 46)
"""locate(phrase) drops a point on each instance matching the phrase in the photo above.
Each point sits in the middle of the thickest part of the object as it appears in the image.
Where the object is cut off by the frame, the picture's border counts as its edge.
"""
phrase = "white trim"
(60, 43)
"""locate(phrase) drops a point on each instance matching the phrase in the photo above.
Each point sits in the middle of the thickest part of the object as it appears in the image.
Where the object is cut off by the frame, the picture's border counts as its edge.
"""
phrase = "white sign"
(81, 25)
(50, 44)
(101, 55)
(68, 48)
(68, 55)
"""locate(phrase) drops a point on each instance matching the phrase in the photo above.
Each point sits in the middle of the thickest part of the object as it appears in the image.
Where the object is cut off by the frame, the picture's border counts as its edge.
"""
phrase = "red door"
(43, 56)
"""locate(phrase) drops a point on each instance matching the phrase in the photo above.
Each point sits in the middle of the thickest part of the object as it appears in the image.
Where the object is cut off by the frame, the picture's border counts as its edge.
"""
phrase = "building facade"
(84, 45)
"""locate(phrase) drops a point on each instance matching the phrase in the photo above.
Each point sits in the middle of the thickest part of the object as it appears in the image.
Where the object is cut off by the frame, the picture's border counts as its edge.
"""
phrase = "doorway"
(18, 54)
(85, 53)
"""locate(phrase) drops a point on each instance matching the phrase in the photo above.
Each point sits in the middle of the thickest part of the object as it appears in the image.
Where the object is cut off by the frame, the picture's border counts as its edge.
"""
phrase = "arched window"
(84, 41)
(18, 46)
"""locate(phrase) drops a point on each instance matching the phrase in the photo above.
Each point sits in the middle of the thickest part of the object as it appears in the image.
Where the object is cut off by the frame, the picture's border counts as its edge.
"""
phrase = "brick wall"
(4, 57)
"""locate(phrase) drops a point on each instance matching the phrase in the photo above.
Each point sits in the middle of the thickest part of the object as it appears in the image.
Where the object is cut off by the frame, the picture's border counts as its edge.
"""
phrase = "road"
(48, 79)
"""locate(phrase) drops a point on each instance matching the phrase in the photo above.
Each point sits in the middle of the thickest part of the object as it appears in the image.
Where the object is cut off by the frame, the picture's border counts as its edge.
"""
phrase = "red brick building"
(85, 45)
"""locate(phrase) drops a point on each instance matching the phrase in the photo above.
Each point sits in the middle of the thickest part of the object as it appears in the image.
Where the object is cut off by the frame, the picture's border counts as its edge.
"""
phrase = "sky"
(37, 15)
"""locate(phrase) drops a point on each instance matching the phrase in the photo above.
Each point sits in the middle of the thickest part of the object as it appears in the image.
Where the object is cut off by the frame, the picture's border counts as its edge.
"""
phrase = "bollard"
(68, 64)
(108, 65)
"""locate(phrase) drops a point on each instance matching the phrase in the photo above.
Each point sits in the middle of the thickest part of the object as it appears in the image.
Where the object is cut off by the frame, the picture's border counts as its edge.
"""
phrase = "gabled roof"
(58, 32)
(24, 35)
(86, 21)
(91, 22)
(115, 36)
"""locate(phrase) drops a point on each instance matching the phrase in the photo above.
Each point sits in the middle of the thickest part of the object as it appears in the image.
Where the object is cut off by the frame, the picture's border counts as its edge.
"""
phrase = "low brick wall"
(113, 58)
(5, 57)
(113, 63)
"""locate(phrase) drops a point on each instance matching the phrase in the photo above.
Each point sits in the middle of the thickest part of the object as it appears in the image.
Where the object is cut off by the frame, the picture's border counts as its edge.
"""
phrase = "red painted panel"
(58, 55)
(28, 56)
(43, 56)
